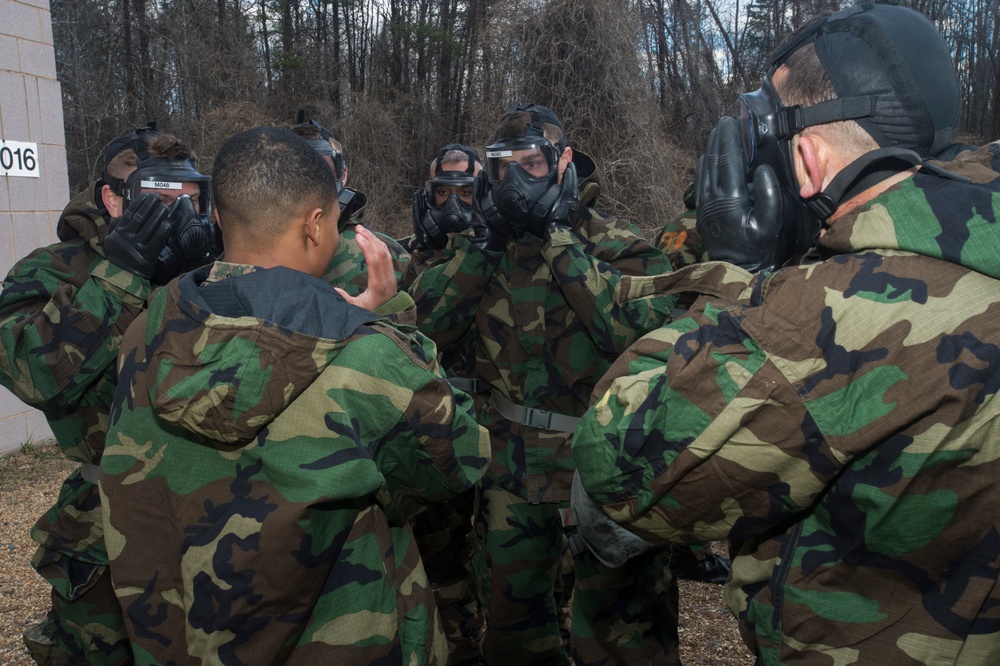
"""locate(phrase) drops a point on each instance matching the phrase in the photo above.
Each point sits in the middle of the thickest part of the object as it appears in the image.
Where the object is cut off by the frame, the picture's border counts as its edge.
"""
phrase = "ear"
(813, 164)
(564, 161)
(347, 170)
(112, 202)
(313, 227)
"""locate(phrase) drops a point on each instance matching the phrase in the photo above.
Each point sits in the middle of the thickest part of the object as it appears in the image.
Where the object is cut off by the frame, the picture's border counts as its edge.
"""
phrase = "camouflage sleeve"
(63, 311)
(348, 271)
(434, 448)
(680, 241)
(591, 273)
(697, 436)
(448, 294)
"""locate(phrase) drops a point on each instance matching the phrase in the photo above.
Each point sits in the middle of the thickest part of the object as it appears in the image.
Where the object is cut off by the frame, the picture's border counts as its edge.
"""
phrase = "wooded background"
(637, 83)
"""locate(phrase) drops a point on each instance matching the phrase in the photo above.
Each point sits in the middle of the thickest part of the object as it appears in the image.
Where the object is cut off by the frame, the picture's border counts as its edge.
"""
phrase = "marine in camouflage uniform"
(63, 311)
(347, 270)
(444, 531)
(835, 419)
(279, 438)
(68, 373)
(549, 317)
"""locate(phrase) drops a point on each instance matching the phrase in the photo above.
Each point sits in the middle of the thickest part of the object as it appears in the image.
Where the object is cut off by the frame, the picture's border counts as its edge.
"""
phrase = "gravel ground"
(29, 483)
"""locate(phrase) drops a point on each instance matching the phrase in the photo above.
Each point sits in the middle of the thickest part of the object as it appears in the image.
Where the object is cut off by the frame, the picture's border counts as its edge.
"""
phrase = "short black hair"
(263, 177)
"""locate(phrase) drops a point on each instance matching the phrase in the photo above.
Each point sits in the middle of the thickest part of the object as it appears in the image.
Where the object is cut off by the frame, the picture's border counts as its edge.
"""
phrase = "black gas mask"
(324, 146)
(195, 239)
(524, 178)
(766, 129)
(432, 223)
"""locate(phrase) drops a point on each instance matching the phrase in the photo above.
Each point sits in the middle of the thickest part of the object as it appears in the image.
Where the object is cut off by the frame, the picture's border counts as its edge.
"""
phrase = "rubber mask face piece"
(764, 141)
(521, 171)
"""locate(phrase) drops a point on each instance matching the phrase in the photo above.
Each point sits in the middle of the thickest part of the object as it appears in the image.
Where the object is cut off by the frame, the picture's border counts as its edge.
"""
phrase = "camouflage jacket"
(836, 420)
(347, 270)
(63, 311)
(679, 239)
(548, 320)
(268, 443)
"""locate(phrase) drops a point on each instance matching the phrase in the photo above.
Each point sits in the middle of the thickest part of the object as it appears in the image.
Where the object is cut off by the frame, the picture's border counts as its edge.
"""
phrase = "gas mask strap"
(864, 172)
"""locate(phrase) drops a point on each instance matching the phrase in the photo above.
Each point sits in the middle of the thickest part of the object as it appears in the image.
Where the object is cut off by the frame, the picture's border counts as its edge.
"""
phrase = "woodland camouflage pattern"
(347, 269)
(679, 238)
(838, 420)
(547, 320)
(551, 318)
(63, 312)
(282, 438)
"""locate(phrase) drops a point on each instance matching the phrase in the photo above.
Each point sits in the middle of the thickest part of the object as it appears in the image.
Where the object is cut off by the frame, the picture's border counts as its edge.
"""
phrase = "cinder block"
(10, 404)
(14, 114)
(21, 20)
(37, 426)
(13, 433)
(8, 54)
(50, 101)
(37, 59)
(25, 234)
(41, 4)
(45, 17)
(6, 242)
(53, 165)
(32, 109)
(22, 191)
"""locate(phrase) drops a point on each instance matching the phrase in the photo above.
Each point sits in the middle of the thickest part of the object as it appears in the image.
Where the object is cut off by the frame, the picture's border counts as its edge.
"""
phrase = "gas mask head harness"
(195, 239)
(523, 171)
(324, 146)
(432, 222)
(892, 73)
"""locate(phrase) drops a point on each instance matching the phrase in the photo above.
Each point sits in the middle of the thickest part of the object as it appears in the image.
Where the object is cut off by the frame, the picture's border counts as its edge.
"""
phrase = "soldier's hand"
(381, 277)
(736, 225)
(135, 239)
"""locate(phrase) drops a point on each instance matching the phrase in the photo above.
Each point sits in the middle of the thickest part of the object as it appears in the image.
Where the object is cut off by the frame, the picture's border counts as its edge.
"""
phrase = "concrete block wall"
(30, 111)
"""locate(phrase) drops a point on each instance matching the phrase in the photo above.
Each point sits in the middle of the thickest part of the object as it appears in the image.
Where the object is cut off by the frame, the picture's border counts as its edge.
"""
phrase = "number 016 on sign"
(18, 158)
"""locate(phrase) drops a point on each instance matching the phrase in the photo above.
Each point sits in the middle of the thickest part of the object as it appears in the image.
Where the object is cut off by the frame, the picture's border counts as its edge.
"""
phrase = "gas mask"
(524, 179)
(432, 223)
(766, 129)
(195, 239)
(324, 146)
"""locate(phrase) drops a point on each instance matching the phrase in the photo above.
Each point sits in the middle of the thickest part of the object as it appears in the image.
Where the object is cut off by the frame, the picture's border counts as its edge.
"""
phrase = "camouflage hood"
(83, 219)
(587, 180)
(966, 232)
(245, 343)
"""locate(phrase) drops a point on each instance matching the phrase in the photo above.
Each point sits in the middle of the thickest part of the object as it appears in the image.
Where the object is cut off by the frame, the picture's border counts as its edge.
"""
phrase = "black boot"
(710, 568)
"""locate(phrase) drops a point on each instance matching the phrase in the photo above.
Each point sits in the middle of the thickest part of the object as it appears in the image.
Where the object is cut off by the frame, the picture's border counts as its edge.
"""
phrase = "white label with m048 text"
(18, 158)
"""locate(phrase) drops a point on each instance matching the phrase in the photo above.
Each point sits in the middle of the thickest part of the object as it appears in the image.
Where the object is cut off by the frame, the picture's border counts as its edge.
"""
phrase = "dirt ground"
(29, 483)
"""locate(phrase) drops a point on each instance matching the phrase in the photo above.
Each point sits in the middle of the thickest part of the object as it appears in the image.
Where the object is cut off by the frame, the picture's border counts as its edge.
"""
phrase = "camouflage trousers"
(85, 624)
(519, 550)
(626, 615)
(444, 537)
(87, 629)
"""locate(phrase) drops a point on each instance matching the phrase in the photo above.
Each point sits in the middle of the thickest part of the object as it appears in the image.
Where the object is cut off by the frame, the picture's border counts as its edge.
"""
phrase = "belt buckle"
(538, 418)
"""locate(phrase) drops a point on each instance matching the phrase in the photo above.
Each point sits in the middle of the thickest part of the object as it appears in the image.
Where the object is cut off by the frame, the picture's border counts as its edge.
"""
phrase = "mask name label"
(499, 153)
(160, 185)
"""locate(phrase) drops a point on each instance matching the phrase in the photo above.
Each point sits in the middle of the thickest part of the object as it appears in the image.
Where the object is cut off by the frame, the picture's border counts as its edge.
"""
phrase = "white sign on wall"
(18, 158)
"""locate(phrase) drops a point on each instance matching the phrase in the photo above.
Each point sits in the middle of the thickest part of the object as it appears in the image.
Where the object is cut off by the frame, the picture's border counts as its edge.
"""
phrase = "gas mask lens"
(536, 159)
(756, 117)
(169, 179)
(449, 184)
